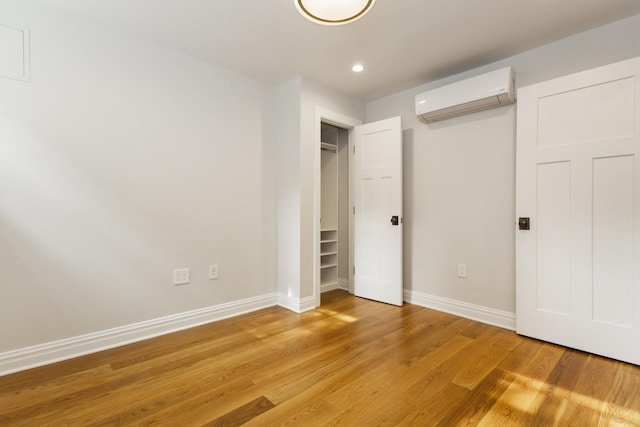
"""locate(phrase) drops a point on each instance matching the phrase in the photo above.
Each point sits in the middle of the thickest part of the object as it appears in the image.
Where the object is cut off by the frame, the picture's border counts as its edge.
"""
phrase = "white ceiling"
(402, 43)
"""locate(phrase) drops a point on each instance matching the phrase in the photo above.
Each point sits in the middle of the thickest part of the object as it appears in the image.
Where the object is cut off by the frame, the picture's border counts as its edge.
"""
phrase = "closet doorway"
(358, 207)
(334, 207)
(333, 195)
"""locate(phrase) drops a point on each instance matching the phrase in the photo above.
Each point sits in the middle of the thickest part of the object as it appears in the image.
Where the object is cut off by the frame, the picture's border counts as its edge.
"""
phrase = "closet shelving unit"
(328, 256)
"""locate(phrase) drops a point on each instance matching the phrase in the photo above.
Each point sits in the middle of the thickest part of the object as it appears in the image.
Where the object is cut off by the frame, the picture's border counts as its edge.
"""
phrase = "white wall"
(288, 184)
(460, 174)
(121, 161)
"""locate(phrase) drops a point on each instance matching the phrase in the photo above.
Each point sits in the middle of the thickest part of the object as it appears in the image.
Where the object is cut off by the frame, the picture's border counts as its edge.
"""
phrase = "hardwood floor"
(351, 362)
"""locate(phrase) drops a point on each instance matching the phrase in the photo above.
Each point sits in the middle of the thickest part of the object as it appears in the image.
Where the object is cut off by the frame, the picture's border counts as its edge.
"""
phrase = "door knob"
(524, 223)
(394, 220)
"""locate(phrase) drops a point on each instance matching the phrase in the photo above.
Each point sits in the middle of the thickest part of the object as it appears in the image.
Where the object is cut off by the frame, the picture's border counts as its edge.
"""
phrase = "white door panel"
(378, 197)
(578, 267)
(553, 251)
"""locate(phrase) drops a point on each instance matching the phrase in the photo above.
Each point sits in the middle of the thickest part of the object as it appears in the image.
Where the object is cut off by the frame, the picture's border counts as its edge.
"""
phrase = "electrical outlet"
(181, 276)
(462, 270)
(213, 271)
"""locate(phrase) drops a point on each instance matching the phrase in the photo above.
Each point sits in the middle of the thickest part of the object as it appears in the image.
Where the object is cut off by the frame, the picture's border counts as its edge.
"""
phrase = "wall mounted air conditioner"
(478, 93)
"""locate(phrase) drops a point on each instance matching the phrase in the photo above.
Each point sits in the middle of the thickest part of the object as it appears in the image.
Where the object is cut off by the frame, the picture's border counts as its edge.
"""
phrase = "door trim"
(348, 123)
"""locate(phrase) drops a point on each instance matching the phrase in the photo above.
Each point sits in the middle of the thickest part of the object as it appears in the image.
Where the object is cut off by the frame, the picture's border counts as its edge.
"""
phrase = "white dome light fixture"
(333, 12)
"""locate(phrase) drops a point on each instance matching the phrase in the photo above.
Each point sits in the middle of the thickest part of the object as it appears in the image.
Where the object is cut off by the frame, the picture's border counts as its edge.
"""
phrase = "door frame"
(348, 123)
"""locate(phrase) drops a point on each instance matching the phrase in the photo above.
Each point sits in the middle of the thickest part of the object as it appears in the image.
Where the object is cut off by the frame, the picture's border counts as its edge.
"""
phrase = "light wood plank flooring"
(351, 362)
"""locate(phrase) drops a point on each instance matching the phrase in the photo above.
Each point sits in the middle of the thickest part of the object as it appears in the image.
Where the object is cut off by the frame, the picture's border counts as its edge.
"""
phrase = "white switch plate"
(213, 271)
(462, 270)
(181, 276)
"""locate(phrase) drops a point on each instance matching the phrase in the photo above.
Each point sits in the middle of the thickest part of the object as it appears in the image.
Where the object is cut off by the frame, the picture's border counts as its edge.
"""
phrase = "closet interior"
(334, 208)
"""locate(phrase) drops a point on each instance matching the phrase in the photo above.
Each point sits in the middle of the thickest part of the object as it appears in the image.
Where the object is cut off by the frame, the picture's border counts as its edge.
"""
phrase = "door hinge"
(354, 270)
(354, 150)
(354, 209)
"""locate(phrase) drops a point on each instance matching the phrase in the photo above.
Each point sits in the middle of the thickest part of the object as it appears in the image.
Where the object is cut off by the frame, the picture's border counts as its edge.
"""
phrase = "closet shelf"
(335, 264)
(329, 253)
(328, 241)
(328, 146)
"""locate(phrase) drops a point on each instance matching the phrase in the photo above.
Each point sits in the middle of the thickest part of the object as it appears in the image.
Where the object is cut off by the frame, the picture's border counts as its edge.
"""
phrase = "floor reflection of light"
(344, 317)
(523, 392)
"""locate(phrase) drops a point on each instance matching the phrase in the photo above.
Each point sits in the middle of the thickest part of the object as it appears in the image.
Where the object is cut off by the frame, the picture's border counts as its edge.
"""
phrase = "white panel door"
(378, 211)
(578, 266)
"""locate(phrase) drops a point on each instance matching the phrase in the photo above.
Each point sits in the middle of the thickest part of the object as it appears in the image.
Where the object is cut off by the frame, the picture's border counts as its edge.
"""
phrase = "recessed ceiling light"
(333, 12)
(358, 68)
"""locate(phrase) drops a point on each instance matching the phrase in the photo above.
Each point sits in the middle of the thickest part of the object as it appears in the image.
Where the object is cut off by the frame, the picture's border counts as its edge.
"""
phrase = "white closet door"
(578, 267)
(378, 215)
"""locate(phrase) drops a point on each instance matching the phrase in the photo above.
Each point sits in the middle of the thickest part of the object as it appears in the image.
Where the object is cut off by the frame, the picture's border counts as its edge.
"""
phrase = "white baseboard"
(342, 284)
(56, 351)
(326, 287)
(298, 305)
(491, 316)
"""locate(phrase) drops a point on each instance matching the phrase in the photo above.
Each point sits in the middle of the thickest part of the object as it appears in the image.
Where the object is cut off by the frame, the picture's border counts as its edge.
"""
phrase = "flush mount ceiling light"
(333, 12)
